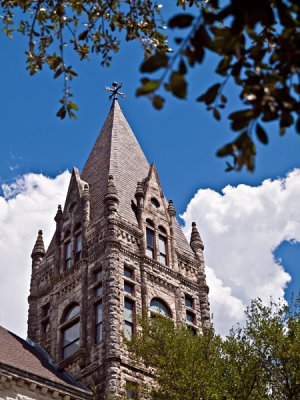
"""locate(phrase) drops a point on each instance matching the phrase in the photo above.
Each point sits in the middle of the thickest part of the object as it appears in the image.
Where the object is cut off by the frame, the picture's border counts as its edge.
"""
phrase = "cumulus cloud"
(241, 228)
(27, 205)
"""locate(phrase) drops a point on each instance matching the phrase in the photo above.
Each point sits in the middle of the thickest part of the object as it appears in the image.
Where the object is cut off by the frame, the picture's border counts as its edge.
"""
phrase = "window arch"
(158, 306)
(70, 331)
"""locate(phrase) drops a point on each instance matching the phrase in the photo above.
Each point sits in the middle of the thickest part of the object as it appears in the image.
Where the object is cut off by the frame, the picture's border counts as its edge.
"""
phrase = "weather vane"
(115, 90)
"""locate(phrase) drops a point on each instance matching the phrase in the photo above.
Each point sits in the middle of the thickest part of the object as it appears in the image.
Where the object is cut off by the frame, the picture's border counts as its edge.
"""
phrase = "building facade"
(117, 250)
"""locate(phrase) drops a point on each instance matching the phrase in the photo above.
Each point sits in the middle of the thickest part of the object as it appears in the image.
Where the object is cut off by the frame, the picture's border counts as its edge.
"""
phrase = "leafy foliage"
(258, 361)
(56, 27)
(256, 42)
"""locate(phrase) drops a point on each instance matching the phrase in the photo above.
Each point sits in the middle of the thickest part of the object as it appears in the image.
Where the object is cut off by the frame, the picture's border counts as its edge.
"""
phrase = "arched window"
(70, 330)
(159, 307)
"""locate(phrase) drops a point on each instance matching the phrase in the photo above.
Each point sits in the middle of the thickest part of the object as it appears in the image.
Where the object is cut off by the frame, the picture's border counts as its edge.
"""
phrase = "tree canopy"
(256, 43)
(258, 361)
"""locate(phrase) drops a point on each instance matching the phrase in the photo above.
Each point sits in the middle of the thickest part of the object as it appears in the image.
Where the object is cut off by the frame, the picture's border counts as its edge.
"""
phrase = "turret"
(198, 247)
(38, 251)
(140, 196)
(111, 199)
(58, 219)
(172, 215)
(86, 204)
(196, 241)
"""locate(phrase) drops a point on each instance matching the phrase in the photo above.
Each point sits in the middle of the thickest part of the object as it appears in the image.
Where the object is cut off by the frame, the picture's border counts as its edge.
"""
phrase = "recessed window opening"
(129, 288)
(155, 202)
(45, 318)
(150, 243)
(131, 390)
(128, 318)
(71, 332)
(98, 322)
(72, 207)
(128, 273)
(162, 241)
(159, 307)
(78, 246)
(188, 301)
(68, 255)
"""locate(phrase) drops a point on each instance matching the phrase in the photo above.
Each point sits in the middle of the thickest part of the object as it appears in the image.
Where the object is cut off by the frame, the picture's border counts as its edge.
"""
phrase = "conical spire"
(117, 153)
(196, 241)
(171, 209)
(39, 248)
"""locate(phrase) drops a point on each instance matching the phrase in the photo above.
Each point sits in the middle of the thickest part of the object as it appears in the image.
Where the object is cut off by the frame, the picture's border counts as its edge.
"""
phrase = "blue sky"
(181, 140)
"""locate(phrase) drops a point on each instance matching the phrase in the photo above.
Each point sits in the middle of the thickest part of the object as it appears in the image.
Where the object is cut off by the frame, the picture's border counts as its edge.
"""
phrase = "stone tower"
(117, 250)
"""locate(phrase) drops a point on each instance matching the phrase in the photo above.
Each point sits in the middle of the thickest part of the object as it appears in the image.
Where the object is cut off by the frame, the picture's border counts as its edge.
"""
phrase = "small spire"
(139, 193)
(111, 190)
(86, 192)
(39, 248)
(115, 90)
(171, 209)
(58, 215)
(196, 241)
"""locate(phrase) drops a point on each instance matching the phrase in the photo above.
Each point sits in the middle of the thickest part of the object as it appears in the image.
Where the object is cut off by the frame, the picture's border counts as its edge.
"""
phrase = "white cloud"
(240, 229)
(28, 204)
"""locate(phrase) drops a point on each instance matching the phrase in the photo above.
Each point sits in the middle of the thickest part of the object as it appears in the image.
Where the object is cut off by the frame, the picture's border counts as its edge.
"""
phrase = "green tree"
(258, 361)
(256, 43)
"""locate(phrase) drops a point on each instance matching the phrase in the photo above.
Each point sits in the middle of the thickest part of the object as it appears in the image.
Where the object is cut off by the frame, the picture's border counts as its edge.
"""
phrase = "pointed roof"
(117, 153)
(196, 241)
(39, 248)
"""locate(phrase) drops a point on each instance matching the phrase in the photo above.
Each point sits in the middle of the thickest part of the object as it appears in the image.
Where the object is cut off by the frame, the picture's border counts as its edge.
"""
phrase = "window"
(189, 312)
(128, 318)
(128, 288)
(128, 273)
(78, 246)
(98, 275)
(155, 202)
(68, 255)
(189, 302)
(159, 307)
(98, 322)
(190, 317)
(131, 390)
(150, 243)
(45, 318)
(162, 249)
(71, 332)
(99, 290)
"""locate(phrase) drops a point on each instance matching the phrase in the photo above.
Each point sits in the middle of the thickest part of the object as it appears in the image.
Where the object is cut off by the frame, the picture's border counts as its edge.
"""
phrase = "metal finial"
(115, 90)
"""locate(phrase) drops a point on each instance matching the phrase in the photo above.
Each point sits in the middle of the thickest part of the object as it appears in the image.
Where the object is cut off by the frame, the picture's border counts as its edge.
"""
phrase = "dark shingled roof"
(29, 358)
(118, 153)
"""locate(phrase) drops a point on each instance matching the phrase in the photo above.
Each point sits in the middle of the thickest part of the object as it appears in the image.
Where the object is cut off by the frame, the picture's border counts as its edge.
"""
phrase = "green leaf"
(181, 21)
(211, 94)
(61, 113)
(242, 114)
(261, 134)
(158, 102)
(159, 60)
(216, 114)
(73, 106)
(149, 86)
(223, 66)
(178, 85)
(58, 72)
(225, 150)
(83, 35)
